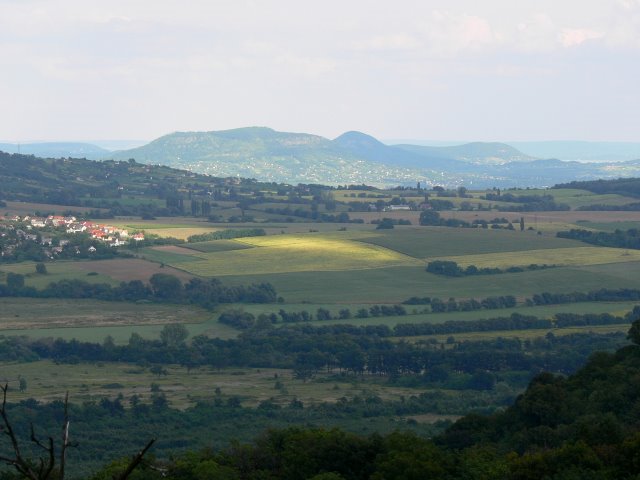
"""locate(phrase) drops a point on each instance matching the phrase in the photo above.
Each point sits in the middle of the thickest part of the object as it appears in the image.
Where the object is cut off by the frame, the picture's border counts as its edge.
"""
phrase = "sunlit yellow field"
(552, 256)
(181, 232)
(297, 253)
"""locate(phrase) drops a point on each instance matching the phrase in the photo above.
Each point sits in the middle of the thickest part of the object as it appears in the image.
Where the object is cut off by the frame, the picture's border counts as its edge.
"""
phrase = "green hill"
(263, 153)
(354, 157)
(481, 153)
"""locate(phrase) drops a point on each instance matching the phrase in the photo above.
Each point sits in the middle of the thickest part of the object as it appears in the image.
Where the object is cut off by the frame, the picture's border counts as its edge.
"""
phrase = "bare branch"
(135, 461)
(18, 462)
(65, 436)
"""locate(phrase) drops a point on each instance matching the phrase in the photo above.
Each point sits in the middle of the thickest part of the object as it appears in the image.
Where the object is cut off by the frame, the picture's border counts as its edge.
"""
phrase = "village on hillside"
(54, 233)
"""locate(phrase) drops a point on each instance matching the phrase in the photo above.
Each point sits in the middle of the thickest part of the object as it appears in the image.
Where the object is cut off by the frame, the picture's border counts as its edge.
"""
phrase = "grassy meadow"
(48, 381)
(93, 320)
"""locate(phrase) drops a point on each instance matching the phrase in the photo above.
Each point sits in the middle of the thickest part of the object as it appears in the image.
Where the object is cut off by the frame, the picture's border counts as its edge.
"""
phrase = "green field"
(577, 256)
(155, 254)
(396, 284)
(56, 271)
(578, 198)
(426, 242)
(121, 334)
(295, 253)
(216, 246)
(608, 226)
(93, 320)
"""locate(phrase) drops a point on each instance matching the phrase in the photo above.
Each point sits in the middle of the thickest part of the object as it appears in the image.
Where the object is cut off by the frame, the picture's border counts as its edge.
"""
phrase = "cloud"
(447, 33)
(307, 66)
(573, 37)
(392, 41)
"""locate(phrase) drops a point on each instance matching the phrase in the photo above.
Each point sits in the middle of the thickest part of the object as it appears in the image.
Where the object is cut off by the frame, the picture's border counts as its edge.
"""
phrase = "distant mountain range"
(353, 158)
(57, 150)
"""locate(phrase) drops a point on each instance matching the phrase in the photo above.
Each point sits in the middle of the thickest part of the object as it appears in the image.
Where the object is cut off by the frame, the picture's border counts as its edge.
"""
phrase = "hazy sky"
(423, 69)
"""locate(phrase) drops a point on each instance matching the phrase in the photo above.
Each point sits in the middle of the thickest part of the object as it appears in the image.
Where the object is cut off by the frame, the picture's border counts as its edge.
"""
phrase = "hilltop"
(355, 157)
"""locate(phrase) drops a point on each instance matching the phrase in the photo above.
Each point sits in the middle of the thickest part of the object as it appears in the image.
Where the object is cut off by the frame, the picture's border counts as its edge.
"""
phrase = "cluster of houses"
(112, 236)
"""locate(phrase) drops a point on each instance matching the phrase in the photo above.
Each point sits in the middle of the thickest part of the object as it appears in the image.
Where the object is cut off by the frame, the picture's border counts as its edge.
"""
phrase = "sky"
(488, 70)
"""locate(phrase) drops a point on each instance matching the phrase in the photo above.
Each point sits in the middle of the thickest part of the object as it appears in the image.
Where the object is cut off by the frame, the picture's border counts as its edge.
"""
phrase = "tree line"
(161, 287)
(452, 269)
(227, 234)
(617, 239)
(309, 349)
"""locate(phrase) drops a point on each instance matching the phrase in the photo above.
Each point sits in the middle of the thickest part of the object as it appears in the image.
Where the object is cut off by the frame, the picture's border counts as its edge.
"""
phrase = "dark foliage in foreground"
(586, 426)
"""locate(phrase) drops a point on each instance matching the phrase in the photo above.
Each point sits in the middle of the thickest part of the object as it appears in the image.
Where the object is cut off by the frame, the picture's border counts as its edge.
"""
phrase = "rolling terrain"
(356, 158)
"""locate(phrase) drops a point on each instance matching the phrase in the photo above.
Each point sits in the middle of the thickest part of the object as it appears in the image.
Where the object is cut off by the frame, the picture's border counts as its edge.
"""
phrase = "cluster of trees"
(432, 218)
(389, 223)
(527, 203)
(621, 186)
(601, 295)
(227, 234)
(627, 207)
(452, 269)
(243, 320)
(617, 239)
(161, 288)
(314, 214)
(452, 305)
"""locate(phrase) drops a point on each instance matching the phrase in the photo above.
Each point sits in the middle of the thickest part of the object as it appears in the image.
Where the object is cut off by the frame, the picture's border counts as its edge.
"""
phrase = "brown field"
(129, 269)
(23, 208)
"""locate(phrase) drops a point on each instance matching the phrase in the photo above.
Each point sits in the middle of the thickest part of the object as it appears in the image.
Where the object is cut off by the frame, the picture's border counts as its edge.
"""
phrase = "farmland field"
(396, 284)
(332, 266)
(128, 269)
(36, 313)
(552, 256)
(570, 217)
(215, 246)
(441, 241)
(608, 226)
(296, 253)
(578, 198)
(63, 270)
(28, 208)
